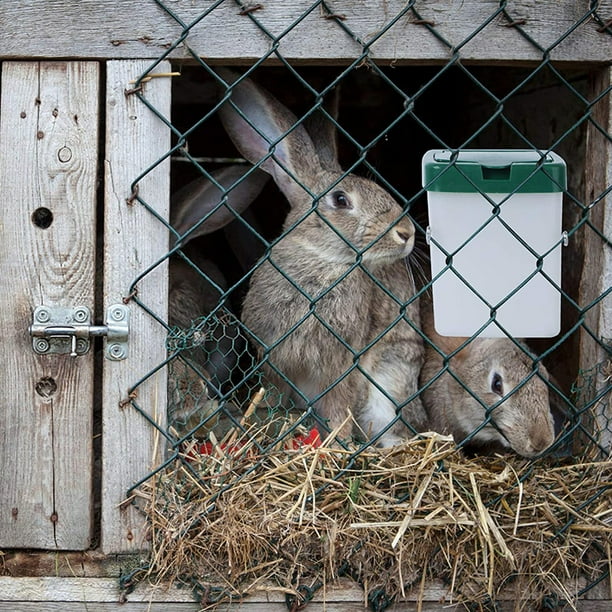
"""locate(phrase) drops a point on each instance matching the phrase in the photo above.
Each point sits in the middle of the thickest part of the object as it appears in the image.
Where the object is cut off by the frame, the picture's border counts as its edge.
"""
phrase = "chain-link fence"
(301, 348)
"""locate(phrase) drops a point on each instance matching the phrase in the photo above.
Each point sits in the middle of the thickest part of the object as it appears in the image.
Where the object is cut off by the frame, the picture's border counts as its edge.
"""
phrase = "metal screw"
(80, 315)
(116, 351)
(43, 315)
(82, 346)
(41, 345)
(117, 314)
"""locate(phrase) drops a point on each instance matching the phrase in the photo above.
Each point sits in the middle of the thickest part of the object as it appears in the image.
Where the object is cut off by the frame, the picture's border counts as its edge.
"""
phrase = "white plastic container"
(495, 239)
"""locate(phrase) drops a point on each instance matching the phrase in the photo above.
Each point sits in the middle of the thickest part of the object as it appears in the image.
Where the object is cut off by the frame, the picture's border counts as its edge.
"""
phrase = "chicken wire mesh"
(237, 202)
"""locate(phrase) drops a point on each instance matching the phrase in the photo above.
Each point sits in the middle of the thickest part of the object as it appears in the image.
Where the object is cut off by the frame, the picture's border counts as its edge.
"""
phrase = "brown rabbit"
(212, 347)
(492, 369)
(331, 307)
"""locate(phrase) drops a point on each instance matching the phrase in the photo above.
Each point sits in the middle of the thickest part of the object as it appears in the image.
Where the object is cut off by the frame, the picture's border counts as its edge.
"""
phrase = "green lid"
(493, 171)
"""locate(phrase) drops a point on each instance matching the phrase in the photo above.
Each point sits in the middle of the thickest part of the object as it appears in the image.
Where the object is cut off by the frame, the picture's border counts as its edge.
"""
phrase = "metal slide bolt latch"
(68, 331)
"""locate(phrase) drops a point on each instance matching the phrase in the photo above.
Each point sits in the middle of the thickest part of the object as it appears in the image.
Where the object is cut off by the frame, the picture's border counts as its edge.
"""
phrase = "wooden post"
(597, 268)
(49, 136)
(134, 240)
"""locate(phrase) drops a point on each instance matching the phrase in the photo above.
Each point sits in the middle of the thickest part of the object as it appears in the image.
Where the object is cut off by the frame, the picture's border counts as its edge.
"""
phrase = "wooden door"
(51, 164)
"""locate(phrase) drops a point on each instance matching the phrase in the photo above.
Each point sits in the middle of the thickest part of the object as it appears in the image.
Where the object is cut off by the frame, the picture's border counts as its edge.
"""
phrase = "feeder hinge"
(68, 331)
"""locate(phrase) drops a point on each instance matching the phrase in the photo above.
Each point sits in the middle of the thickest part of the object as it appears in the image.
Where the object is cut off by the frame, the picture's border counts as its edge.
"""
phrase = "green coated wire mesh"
(227, 370)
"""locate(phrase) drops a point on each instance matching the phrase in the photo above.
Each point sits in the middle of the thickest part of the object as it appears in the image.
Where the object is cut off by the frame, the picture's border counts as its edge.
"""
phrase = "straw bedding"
(254, 513)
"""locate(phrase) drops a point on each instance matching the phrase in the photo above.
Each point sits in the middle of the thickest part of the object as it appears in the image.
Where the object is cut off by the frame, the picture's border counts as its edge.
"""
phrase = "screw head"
(41, 345)
(80, 315)
(117, 313)
(43, 315)
(82, 346)
(116, 351)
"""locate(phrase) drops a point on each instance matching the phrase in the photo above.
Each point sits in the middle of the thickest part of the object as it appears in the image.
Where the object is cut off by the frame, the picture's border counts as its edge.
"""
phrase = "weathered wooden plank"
(133, 240)
(108, 30)
(97, 567)
(351, 606)
(597, 268)
(82, 564)
(604, 325)
(101, 593)
(49, 135)
(96, 606)
(260, 607)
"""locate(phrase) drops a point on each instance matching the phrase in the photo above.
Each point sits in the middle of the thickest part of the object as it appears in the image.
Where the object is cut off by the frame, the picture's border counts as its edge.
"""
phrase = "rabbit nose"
(404, 234)
(541, 440)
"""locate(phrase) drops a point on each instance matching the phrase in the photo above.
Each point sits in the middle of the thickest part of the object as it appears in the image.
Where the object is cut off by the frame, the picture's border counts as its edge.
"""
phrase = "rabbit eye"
(341, 200)
(497, 384)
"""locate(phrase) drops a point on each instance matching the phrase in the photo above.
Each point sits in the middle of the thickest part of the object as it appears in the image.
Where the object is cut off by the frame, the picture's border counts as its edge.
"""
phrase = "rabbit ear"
(259, 124)
(323, 131)
(200, 197)
(449, 344)
(247, 246)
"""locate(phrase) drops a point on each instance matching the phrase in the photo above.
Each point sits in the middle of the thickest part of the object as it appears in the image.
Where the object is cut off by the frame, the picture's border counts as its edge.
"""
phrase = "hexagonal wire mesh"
(235, 238)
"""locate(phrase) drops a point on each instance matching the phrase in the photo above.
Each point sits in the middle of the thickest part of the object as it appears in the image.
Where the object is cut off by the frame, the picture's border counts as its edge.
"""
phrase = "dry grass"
(241, 520)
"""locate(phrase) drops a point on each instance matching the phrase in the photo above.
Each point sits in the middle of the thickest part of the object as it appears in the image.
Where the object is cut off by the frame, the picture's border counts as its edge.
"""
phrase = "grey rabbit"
(491, 368)
(331, 307)
(213, 347)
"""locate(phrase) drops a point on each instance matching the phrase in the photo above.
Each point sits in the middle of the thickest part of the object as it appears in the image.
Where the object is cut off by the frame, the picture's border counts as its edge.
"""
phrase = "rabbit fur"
(331, 307)
(491, 368)
(196, 288)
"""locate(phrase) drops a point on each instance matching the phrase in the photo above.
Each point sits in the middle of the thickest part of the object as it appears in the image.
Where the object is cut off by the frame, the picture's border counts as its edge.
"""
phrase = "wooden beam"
(597, 267)
(134, 240)
(48, 176)
(305, 32)
(102, 594)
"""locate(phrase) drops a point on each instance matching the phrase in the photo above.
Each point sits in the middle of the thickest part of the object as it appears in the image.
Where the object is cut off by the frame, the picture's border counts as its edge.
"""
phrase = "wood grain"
(597, 270)
(103, 594)
(45, 435)
(134, 240)
(302, 32)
